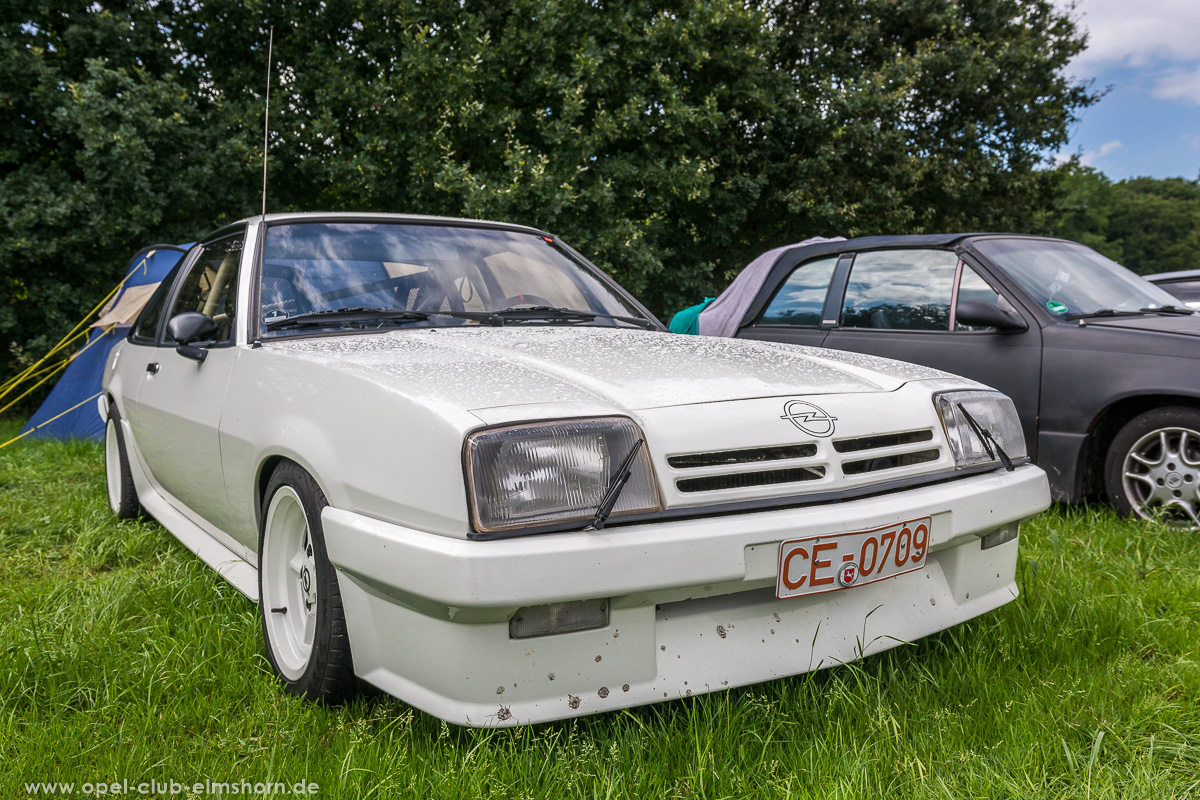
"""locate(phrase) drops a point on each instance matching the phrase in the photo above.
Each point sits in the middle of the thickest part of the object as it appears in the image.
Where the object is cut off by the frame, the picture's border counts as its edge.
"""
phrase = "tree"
(104, 146)
(1147, 224)
(670, 140)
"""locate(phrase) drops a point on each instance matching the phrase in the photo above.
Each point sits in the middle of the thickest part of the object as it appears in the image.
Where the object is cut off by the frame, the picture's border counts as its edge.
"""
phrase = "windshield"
(441, 275)
(1068, 278)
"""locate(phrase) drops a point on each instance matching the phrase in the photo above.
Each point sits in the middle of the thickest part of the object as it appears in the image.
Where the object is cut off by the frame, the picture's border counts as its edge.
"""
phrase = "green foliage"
(669, 140)
(126, 658)
(1149, 225)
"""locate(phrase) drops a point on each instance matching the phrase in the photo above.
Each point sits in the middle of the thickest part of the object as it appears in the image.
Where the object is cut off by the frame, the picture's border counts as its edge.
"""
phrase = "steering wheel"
(526, 300)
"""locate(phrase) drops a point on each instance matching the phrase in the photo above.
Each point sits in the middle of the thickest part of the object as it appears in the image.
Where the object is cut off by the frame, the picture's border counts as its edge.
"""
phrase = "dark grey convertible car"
(1103, 366)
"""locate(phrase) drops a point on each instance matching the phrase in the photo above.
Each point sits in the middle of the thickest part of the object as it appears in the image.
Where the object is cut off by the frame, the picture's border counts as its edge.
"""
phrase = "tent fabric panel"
(158, 264)
(80, 380)
(127, 306)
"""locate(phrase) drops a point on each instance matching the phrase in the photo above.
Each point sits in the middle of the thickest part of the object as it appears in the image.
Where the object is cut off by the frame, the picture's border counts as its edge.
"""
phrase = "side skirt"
(228, 564)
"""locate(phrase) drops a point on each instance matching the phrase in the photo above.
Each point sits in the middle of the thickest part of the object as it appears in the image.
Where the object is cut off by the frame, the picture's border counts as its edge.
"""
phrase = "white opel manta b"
(456, 461)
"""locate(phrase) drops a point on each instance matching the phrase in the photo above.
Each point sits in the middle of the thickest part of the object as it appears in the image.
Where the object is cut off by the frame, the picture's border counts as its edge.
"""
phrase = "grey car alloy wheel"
(1159, 476)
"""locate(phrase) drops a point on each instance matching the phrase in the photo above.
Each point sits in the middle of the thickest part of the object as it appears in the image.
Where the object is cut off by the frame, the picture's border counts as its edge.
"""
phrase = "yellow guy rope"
(56, 416)
(75, 333)
(54, 370)
(27, 374)
(57, 368)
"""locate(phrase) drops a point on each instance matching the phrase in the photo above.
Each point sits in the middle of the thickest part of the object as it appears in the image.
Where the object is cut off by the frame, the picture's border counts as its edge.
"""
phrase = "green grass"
(124, 658)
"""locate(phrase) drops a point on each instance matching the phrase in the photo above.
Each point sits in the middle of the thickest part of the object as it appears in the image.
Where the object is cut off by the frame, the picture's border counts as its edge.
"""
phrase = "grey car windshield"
(1068, 278)
(446, 272)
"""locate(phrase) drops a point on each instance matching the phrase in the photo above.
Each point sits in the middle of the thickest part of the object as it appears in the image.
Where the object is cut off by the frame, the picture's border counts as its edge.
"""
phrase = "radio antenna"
(267, 117)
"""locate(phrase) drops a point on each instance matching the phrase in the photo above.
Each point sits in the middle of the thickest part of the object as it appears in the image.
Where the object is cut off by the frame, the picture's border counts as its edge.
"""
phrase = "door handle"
(153, 368)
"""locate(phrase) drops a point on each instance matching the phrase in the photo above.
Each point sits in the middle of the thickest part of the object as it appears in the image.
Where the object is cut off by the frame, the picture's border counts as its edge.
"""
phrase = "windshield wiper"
(613, 493)
(1108, 312)
(335, 316)
(1141, 312)
(988, 441)
(551, 314)
(1170, 309)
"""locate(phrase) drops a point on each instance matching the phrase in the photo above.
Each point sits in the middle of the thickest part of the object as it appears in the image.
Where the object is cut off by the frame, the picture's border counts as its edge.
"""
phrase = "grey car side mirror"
(982, 314)
(188, 327)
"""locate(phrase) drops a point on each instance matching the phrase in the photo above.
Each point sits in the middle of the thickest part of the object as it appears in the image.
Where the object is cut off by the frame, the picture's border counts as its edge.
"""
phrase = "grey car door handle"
(153, 368)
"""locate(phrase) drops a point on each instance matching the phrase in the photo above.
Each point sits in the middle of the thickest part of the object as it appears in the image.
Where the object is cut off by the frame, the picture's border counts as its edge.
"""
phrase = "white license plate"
(819, 564)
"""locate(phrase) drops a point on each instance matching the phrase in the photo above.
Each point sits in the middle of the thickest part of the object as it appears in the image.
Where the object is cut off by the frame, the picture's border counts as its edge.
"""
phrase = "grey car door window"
(800, 300)
(900, 290)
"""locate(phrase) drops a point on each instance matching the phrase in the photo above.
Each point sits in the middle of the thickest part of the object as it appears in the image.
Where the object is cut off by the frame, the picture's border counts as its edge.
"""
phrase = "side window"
(145, 327)
(800, 300)
(900, 290)
(211, 285)
(972, 287)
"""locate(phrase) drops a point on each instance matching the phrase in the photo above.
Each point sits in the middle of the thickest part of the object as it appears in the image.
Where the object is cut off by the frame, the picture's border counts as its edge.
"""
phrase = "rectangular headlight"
(994, 413)
(553, 472)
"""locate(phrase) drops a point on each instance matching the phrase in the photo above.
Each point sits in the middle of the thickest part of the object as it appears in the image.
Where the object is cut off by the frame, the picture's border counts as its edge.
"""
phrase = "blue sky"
(1148, 51)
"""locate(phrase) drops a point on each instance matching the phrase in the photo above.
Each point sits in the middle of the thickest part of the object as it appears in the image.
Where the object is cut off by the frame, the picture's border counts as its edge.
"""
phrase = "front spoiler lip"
(757, 504)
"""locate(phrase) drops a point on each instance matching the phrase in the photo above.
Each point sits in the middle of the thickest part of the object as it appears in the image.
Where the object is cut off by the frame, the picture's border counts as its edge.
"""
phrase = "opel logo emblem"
(808, 418)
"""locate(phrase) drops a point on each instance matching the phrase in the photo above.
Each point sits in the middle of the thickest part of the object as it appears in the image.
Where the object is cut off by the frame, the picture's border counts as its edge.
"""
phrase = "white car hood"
(476, 368)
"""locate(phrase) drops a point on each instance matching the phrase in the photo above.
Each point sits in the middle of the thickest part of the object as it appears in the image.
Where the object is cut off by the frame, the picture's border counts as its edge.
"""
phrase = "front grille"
(766, 471)
(743, 480)
(882, 440)
(750, 456)
(889, 462)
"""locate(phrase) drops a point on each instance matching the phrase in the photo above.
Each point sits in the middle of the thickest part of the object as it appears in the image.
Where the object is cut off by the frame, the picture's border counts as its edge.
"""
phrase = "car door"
(176, 413)
(901, 303)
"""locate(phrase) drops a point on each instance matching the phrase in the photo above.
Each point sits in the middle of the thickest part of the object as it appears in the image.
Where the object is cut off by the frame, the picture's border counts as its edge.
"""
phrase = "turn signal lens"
(577, 615)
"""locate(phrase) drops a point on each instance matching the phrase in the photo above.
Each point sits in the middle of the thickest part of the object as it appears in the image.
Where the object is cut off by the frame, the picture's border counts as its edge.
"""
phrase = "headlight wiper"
(551, 314)
(613, 493)
(989, 442)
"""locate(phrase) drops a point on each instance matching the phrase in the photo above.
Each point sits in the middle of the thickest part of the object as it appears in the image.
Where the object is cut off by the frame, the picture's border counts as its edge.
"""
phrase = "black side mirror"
(188, 327)
(982, 314)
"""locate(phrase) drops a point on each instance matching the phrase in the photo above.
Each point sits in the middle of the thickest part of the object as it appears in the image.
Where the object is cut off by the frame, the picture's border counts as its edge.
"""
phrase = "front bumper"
(693, 606)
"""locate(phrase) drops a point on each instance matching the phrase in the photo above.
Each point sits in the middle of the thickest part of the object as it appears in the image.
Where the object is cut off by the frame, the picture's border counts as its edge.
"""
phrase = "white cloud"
(1182, 85)
(1136, 33)
(1092, 157)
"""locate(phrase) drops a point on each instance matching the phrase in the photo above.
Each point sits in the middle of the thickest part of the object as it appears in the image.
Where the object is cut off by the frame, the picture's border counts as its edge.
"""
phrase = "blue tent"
(81, 380)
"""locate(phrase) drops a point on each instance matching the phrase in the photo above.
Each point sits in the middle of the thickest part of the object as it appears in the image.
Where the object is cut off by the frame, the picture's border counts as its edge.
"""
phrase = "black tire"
(118, 478)
(325, 672)
(1152, 469)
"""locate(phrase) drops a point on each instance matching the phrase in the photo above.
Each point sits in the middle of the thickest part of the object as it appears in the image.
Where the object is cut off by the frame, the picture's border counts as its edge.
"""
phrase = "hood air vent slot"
(751, 456)
(743, 480)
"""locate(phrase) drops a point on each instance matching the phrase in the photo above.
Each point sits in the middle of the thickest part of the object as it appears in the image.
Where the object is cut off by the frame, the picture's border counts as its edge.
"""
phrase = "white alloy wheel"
(289, 583)
(112, 465)
(122, 497)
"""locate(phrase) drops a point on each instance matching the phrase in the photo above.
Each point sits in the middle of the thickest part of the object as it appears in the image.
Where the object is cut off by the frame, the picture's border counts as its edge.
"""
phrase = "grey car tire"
(118, 478)
(1152, 469)
(300, 603)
